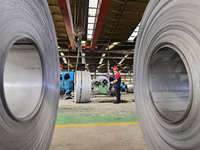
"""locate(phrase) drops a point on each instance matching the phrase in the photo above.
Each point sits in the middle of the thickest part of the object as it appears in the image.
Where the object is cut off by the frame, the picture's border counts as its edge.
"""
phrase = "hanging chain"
(80, 52)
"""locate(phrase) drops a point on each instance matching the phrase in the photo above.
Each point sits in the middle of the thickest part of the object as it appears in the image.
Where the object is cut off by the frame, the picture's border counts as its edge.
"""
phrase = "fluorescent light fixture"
(89, 31)
(116, 43)
(93, 3)
(121, 62)
(89, 36)
(92, 12)
(101, 60)
(64, 59)
(137, 29)
(131, 38)
(83, 43)
(100, 66)
(112, 45)
(104, 54)
(90, 26)
(123, 59)
(91, 17)
(134, 34)
(126, 55)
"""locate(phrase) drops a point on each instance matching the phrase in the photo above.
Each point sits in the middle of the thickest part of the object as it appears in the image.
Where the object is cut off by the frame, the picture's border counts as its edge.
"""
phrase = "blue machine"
(67, 82)
(123, 87)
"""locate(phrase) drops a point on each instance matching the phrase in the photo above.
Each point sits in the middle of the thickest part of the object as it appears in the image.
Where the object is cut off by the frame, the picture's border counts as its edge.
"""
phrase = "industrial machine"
(67, 84)
(101, 85)
(123, 87)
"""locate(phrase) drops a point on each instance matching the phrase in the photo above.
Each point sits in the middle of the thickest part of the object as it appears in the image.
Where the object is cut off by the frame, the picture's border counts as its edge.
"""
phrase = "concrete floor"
(105, 137)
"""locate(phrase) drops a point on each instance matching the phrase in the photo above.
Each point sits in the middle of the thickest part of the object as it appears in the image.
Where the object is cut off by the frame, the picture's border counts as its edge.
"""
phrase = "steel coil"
(82, 89)
(129, 88)
(167, 74)
(29, 80)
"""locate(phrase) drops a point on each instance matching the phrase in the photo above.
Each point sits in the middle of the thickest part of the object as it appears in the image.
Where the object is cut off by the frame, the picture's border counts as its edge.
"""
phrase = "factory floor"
(98, 125)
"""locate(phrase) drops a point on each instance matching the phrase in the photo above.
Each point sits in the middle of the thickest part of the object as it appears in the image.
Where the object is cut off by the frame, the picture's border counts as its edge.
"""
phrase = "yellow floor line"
(98, 124)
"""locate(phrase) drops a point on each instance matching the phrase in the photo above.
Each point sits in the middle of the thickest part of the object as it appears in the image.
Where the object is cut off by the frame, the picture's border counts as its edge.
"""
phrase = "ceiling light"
(64, 59)
(83, 43)
(112, 45)
(91, 17)
(92, 12)
(101, 61)
(123, 59)
(89, 36)
(134, 34)
(90, 26)
(126, 55)
(104, 54)
(89, 31)
(93, 3)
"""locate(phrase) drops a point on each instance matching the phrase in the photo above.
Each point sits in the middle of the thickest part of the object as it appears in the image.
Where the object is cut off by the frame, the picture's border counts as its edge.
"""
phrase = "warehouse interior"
(99, 74)
(108, 36)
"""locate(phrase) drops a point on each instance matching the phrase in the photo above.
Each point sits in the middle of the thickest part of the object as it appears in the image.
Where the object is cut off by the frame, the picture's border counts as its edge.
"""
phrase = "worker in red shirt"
(117, 83)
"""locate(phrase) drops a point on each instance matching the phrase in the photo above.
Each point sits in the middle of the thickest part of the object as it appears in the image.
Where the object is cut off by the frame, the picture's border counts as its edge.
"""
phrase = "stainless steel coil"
(82, 89)
(167, 75)
(129, 87)
(29, 80)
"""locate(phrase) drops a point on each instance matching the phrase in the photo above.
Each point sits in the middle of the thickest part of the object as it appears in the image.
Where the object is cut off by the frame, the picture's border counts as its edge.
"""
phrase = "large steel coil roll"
(82, 89)
(29, 75)
(129, 88)
(167, 75)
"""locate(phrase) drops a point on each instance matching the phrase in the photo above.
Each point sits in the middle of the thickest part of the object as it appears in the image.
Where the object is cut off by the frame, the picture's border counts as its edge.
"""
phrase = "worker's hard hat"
(115, 69)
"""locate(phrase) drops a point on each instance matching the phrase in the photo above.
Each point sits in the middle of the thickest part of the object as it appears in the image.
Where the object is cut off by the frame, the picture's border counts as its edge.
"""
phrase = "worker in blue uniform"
(117, 83)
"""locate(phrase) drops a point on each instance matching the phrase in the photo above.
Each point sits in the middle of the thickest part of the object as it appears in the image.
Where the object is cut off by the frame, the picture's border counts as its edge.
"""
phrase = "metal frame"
(67, 16)
(103, 7)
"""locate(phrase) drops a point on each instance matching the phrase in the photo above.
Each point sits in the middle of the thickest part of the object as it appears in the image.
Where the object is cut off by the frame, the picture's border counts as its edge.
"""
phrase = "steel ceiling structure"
(115, 20)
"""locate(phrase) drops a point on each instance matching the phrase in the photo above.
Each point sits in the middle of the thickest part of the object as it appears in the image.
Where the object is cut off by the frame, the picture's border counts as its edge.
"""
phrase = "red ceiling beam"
(67, 16)
(103, 7)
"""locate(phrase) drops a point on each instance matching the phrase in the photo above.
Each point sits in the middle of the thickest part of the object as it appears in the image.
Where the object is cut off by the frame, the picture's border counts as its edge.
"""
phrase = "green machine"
(101, 85)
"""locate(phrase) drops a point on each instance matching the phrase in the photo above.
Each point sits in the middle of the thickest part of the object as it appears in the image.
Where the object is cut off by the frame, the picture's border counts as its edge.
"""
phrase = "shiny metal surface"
(169, 84)
(22, 79)
(82, 89)
(129, 88)
(167, 75)
(29, 75)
